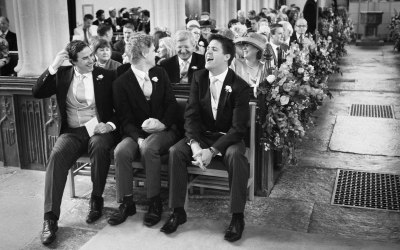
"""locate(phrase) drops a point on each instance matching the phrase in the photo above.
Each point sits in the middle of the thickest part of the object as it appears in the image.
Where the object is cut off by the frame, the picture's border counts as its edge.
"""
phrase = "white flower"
(99, 77)
(300, 70)
(194, 67)
(154, 79)
(228, 88)
(201, 43)
(271, 78)
(306, 78)
(284, 100)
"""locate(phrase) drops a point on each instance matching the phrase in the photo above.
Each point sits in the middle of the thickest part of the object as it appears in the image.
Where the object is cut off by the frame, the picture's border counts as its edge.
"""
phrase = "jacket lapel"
(271, 50)
(205, 92)
(154, 93)
(224, 94)
(66, 83)
(96, 83)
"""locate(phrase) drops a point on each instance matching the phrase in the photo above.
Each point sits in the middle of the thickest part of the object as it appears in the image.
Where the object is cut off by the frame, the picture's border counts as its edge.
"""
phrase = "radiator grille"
(367, 190)
(378, 111)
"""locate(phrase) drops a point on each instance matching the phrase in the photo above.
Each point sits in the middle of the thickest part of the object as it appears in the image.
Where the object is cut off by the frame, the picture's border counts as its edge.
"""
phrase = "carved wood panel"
(9, 147)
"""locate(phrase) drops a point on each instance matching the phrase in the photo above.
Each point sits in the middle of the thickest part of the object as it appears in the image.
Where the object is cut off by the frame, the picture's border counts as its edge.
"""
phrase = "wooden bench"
(212, 178)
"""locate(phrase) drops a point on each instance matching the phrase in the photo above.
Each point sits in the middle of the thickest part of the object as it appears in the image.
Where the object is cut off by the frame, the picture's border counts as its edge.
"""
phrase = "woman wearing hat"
(250, 68)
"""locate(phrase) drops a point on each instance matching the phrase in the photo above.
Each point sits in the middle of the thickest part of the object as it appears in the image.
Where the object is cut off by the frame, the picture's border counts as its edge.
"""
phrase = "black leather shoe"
(48, 235)
(95, 210)
(235, 230)
(153, 216)
(125, 210)
(174, 220)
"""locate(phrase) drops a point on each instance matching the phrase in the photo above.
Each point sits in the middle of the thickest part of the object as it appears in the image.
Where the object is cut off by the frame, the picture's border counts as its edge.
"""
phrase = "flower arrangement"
(295, 90)
(394, 30)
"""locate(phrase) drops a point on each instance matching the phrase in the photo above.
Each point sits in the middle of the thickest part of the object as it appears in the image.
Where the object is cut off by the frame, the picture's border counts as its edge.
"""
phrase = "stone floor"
(297, 215)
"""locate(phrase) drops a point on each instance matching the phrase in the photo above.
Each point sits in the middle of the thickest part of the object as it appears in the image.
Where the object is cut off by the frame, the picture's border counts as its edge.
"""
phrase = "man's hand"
(103, 128)
(140, 142)
(197, 161)
(206, 156)
(153, 125)
(60, 58)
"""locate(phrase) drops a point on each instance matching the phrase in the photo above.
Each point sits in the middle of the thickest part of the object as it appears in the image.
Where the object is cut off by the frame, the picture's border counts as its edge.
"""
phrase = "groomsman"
(277, 45)
(146, 108)
(180, 67)
(216, 119)
(84, 98)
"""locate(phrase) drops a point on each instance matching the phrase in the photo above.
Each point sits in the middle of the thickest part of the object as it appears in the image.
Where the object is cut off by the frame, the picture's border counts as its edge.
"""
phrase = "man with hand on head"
(146, 108)
(216, 118)
(84, 98)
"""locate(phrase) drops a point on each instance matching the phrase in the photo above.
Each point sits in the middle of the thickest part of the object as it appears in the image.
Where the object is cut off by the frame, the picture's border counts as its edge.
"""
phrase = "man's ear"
(227, 57)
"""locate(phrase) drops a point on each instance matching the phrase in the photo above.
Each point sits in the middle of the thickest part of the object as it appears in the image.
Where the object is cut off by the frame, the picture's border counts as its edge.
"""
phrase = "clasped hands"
(102, 128)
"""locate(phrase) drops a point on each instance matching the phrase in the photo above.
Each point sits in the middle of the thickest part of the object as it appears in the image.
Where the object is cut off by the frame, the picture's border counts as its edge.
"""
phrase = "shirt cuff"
(52, 70)
(110, 123)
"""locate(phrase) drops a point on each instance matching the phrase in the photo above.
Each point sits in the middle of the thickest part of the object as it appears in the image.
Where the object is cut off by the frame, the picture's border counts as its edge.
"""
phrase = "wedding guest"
(10, 36)
(277, 46)
(144, 24)
(194, 27)
(157, 36)
(86, 31)
(287, 31)
(128, 31)
(4, 55)
(250, 68)
(101, 17)
(115, 22)
(104, 31)
(166, 49)
(102, 51)
(300, 35)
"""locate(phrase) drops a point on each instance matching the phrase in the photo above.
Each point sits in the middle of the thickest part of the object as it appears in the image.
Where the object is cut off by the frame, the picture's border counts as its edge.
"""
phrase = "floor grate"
(378, 111)
(367, 190)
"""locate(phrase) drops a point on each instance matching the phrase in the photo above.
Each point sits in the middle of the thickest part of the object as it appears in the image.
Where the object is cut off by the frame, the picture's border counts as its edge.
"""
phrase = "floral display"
(394, 30)
(295, 90)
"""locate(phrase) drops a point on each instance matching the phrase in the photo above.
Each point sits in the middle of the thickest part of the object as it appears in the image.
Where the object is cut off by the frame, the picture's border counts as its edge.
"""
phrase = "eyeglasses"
(301, 26)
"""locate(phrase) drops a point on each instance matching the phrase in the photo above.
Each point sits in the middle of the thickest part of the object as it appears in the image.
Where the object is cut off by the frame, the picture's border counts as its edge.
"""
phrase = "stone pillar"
(169, 14)
(223, 11)
(42, 31)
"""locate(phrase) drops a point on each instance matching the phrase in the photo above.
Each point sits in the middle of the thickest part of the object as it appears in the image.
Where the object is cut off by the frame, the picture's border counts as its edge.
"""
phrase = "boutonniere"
(154, 79)
(228, 88)
(99, 77)
(194, 67)
(201, 43)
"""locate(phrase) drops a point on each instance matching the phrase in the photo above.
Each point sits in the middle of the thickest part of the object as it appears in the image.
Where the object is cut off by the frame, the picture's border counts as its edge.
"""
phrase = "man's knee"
(234, 151)
(99, 143)
(149, 149)
(122, 152)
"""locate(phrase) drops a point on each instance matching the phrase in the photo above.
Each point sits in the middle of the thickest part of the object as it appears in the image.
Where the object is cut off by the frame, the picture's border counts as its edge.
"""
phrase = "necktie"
(184, 68)
(85, 38)
(80, 90)
(278, 56)
(213, 88)
(147, 87)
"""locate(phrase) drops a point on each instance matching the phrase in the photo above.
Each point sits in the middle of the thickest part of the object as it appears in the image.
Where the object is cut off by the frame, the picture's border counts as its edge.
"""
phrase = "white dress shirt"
(274, 47)
(220, 81)
(141, 78)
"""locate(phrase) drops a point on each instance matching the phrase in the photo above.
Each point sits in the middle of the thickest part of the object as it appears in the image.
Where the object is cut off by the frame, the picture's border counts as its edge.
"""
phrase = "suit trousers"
(152, 148)
(67, 149)
(180, 157)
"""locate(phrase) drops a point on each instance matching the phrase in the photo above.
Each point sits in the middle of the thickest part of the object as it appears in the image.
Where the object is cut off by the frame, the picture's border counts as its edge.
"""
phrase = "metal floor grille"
(378, 111)
(367, 190)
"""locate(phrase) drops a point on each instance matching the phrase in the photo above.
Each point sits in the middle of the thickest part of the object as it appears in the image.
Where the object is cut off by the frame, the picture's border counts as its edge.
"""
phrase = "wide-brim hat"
(254, 39)
(193, 23)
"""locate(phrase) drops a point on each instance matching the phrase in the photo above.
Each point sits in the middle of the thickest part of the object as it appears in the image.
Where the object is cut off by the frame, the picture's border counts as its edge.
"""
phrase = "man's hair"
(103, 29)
(301, 19)
(137, 44)
(287, 26)
(182, 35)
(87, 17)
(129, 26)
(99, 13)
(145, 13)
(252, 12)
(227, 33)
(99, 43)
(232, 22)
(228, 47)
(74, 47)
(5, 18)
(274, 27)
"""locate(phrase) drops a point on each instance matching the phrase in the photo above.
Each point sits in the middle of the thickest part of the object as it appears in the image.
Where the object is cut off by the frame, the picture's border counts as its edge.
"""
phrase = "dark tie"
(279, 56)
(85, 39)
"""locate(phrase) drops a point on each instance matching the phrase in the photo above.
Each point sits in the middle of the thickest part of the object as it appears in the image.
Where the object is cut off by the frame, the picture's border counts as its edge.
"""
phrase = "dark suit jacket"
(58, 84)
(133, 109)
(293, 38)
(120, 46)
(144, 26)
(232, 116)
(284, 48)
(119, 22)
(11, 38)
(123, 68)
(171, 65)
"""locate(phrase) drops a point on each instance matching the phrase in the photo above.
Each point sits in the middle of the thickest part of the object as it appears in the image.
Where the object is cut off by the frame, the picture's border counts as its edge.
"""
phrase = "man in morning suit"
(277, 46)
(180, 67)
(84, 93)
(300, 36)
(146, 108)
(216, 118)
(10, 36)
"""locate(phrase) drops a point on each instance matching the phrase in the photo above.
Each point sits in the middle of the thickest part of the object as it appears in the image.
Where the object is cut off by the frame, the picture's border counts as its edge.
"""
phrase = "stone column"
(42, 31)
(223, 11)
(169, 14)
